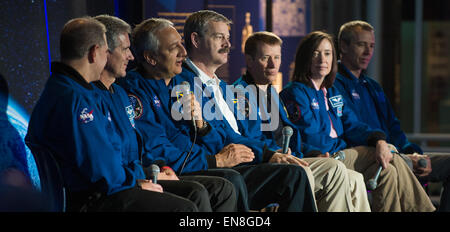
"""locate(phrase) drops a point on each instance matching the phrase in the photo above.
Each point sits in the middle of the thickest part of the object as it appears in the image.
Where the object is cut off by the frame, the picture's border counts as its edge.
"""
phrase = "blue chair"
(52, 184)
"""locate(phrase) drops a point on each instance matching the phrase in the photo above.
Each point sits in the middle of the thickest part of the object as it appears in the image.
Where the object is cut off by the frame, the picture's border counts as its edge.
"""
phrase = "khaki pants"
(358, 191)
(398, 190)
(336, 188)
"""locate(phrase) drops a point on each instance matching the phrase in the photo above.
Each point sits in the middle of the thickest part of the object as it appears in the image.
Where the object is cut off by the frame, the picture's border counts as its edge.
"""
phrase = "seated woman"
(319, 112)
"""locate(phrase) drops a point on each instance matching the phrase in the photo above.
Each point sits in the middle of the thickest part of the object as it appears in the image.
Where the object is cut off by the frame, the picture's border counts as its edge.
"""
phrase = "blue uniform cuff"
(374, 137)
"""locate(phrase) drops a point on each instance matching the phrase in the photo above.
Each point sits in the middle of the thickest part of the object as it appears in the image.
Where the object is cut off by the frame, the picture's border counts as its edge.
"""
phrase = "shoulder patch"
(337, 102)
(136, 105)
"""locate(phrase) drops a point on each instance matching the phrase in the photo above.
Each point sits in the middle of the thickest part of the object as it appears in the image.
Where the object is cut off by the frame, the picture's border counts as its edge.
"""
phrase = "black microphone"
(186, 89)
(340, 155)
(422, 163)
(287, 133)
(372, 183)
(155, 171)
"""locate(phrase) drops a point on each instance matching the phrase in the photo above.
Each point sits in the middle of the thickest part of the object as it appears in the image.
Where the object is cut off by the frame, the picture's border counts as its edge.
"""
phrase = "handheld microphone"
(422, 163)
(372, 183)
(155, 170)
(186, 89)
(287, 133)
(340, 155)
(240, 96)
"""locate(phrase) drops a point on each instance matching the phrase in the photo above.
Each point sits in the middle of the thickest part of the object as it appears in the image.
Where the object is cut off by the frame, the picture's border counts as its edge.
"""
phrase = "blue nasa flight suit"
(121, 114)
(250, 126)
(366, 97)
(367, 100)
(261, 178)
(163, 138)
(196, 189)
(169, 140)
(309, 114)
(70, 120)
(99, 170)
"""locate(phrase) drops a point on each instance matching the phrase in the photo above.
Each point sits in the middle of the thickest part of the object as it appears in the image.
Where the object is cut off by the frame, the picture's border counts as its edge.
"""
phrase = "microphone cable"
(185, 83)
(190, 150)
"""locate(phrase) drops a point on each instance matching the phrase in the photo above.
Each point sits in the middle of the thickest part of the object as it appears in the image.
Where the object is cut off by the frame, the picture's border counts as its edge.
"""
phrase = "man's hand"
(420, 171)
(148, 185)
(326, 155)
(287, 159)
(281, 151)
(383, 153)
(167, 174)
(234, 154)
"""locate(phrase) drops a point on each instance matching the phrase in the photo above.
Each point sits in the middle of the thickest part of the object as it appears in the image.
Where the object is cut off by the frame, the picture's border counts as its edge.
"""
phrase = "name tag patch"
(337, 102)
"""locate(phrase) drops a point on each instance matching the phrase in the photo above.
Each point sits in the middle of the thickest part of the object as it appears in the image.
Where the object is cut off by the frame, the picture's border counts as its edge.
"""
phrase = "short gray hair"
(144, 36)
(114, 27)
(198, 22)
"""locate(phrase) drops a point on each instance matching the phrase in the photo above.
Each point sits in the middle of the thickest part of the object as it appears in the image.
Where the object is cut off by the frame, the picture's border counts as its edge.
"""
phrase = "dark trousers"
(130, 200)
(285, 184)
(209, 193)
(260, 185)
(440, 165)
(235, 178)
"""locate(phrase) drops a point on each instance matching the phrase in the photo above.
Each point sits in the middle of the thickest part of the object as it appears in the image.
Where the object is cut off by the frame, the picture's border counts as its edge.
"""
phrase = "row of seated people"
(220, 148)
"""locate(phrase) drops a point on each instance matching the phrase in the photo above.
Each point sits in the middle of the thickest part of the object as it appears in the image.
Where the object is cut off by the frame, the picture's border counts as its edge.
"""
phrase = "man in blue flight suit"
(366, 98)
(207, 43)
(160, 53)
(69, 121)
(122, 115)
(346, 191)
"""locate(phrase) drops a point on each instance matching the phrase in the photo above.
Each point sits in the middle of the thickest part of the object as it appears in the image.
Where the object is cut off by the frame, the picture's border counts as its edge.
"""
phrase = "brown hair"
(198, 22)
(304, 55)
(260, 37)
(346, 31)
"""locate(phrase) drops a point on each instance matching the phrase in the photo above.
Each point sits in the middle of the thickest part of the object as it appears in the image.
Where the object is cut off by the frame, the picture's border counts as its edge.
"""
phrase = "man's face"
(171, 52)
(216, 43)
(265, 65)
(322, 60)
(118, 58)
(357, 54)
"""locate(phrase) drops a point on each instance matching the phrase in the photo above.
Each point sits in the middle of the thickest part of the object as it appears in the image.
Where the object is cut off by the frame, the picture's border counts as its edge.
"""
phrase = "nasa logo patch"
(355, 95)
(314, 104)
(86, 115)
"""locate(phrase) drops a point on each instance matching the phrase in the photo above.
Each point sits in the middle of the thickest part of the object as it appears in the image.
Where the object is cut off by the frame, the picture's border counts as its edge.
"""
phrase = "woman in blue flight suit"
(326, 124)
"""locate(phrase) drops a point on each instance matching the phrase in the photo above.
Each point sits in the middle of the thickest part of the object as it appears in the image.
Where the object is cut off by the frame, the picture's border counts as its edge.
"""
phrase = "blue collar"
(348, 74)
